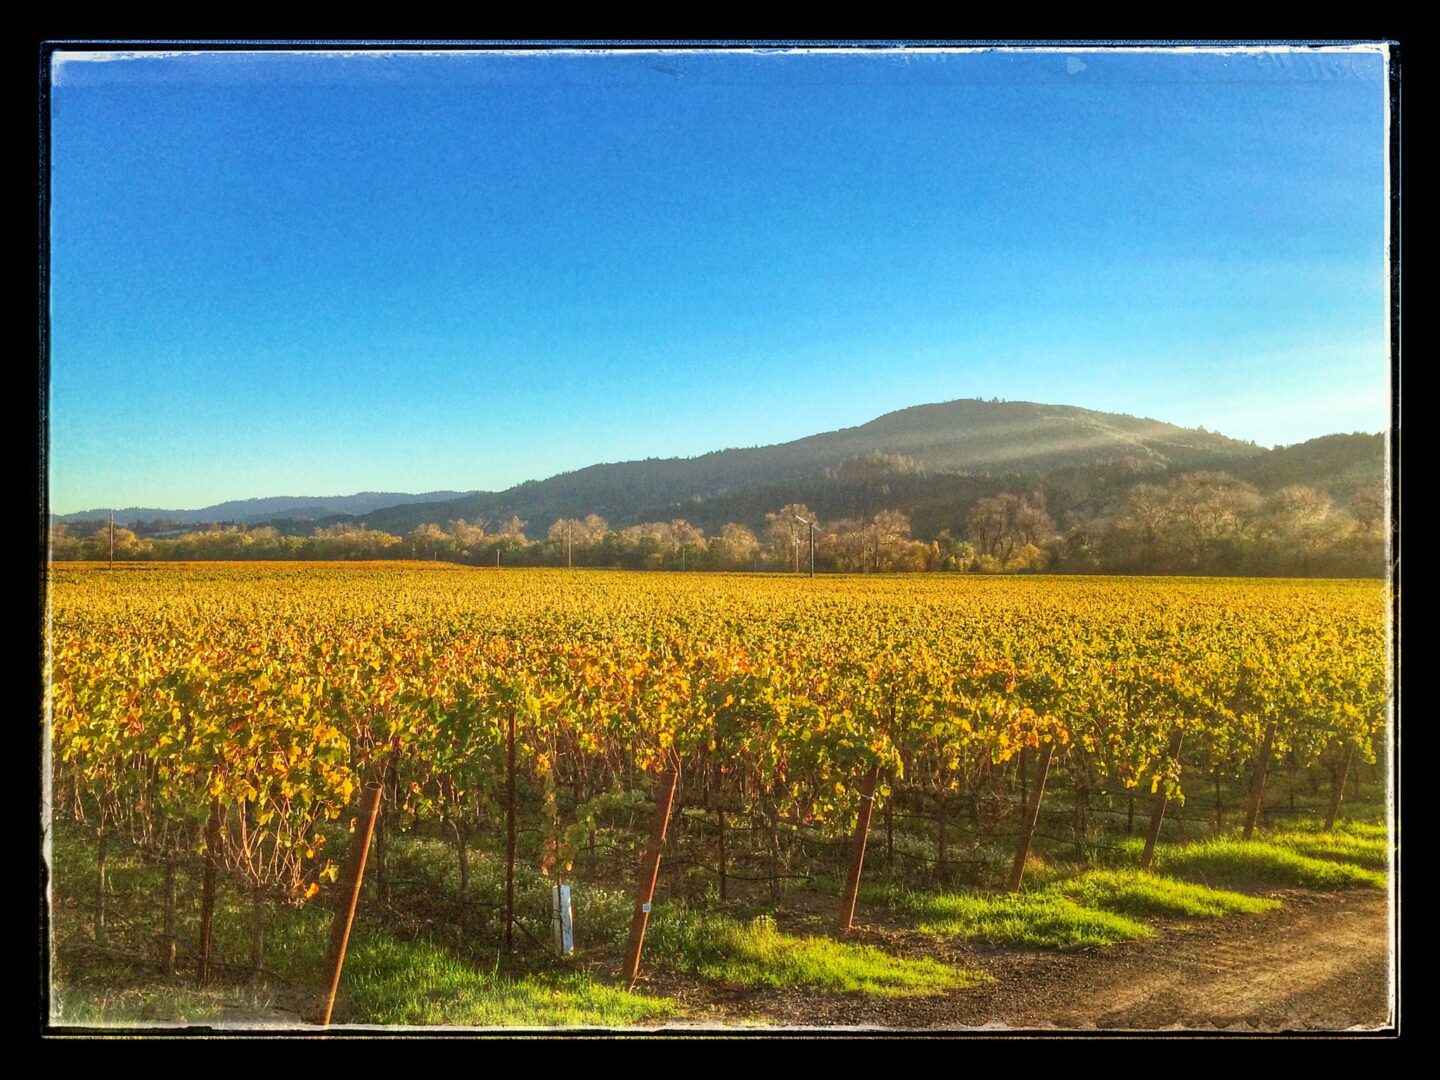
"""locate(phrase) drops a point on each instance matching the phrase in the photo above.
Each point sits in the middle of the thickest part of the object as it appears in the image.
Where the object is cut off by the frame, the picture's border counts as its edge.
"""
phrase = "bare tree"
(1002, 524)
(1211, 514)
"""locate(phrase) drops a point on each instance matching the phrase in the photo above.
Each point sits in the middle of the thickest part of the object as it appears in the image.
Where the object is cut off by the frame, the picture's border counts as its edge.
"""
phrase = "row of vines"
(233, 713)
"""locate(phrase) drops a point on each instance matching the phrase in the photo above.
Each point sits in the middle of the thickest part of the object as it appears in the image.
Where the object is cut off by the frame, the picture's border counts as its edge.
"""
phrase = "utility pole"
(569, 526)
(811, 526)
(112, 539)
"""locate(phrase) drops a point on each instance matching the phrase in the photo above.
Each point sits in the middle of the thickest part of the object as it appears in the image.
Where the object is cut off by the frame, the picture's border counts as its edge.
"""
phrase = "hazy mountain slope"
(255, 510)
(1339, 465)
(957, 451)
(995, 438)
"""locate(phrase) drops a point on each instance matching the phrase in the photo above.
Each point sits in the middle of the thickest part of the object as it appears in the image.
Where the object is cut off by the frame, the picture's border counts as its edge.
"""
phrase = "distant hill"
(931, 462)
(251, 511)
(978, 438)
(1339, 465)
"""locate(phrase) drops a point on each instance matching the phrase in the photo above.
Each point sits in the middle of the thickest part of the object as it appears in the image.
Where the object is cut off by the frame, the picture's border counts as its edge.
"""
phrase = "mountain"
(1342, 466)
(1349, 468)
(979, 438)
(251, 511)
(931, 462)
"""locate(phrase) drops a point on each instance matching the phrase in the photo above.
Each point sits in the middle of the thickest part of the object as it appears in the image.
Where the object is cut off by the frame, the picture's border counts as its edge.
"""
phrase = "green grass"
(1360, 848)
(757, 954)
(387, 981)
(1259, 864)
(393, 982)
(1356, 828)
(138, 1005)
(1134, 892)
(1043, 919)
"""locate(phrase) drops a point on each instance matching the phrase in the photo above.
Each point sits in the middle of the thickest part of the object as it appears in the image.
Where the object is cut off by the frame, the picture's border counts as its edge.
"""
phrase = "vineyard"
(711, 741)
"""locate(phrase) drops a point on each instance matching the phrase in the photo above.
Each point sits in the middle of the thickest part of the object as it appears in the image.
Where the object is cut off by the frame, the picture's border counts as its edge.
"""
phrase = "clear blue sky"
(318, 274)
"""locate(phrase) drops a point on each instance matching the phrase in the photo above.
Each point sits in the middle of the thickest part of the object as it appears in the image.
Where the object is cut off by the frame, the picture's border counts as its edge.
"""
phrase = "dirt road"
(1320, 963)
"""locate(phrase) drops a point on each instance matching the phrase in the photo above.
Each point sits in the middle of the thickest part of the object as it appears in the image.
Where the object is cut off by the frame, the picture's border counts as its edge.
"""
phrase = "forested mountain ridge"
(930, 462)
(1339, 465)
(1345, 467)
(982, 438)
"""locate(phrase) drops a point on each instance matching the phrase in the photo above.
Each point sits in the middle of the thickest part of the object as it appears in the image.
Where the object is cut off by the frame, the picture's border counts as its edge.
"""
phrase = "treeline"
(1198, 523)
(1212, 523)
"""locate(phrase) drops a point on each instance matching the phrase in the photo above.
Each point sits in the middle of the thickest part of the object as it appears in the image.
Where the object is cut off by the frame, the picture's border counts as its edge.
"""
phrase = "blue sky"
(319, 274)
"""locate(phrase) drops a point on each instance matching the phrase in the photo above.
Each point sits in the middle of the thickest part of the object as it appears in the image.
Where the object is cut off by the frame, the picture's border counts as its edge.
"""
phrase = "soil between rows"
(1322, 962)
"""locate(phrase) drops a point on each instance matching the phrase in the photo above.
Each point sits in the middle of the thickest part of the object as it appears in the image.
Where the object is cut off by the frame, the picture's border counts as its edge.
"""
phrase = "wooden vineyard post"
(100, 851)
(167, 942)
(382, 860)
(462, 865)
(257, 932)
(382, 864)
(890, 826)
(510, 835)
(942, 868)
(207, 892)
(720, 817)
(1162, 796)
(772, 816)
(349, 897)
(1032, 814)
(857, 848)
(650, 870)
(1257, 787)
(723, 896)
(1337, 791)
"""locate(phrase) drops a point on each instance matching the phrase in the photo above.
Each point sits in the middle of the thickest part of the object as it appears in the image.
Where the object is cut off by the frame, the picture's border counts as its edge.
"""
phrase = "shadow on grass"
(1369, 848)
(1257, 864)
(1134, 892)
